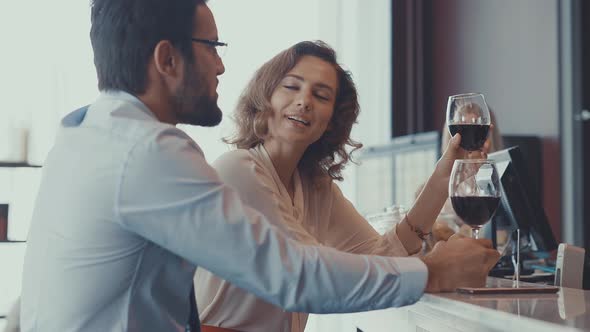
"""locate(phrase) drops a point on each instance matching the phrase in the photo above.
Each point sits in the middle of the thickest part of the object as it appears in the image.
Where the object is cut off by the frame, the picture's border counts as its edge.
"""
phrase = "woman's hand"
(454, 151)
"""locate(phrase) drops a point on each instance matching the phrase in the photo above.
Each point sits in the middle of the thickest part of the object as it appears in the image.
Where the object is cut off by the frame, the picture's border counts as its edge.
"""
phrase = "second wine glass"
(474, 189)
(468, 115)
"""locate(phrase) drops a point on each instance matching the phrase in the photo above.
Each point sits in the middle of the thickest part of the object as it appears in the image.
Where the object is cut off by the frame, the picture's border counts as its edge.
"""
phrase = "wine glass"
(468, 115)
(515, 242)
(474, 189)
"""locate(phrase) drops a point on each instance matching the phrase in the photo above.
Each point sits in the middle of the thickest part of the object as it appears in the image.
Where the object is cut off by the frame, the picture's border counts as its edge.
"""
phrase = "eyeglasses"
(218, 46)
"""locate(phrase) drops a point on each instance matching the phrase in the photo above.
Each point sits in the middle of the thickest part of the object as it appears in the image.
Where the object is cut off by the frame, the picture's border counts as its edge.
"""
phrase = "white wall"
(47, 66)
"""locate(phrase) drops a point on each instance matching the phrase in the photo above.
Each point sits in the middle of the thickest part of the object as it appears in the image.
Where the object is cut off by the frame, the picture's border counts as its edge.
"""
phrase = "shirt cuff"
(414, 276)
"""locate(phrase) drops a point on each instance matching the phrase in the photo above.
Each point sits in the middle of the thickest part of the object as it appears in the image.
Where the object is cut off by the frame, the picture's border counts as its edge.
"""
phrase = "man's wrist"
(431, 283)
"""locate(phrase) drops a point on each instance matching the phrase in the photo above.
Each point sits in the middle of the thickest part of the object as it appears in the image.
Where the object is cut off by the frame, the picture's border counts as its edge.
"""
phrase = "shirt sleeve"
(349, 231)
(169, 195)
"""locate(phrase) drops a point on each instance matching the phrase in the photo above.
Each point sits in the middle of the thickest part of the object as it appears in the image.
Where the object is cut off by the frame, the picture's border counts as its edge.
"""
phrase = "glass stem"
(475, 233)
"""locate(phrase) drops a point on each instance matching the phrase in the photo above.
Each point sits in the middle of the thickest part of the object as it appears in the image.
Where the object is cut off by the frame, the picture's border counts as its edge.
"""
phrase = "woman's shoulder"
(237, 160)
(243, 166)
(234, 156)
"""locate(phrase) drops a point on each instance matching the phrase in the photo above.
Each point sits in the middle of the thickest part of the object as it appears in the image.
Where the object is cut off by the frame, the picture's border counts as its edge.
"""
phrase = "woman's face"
(303, 102)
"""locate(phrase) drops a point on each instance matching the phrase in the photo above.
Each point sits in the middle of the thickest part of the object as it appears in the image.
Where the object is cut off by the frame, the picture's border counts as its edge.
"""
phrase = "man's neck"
(160, 107)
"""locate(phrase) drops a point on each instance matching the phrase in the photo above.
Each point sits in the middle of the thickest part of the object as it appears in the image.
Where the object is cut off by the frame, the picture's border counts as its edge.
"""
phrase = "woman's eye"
(291, 87)
(325, 98)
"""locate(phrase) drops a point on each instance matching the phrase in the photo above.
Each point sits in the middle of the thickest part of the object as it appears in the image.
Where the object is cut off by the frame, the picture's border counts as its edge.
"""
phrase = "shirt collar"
(126, 97)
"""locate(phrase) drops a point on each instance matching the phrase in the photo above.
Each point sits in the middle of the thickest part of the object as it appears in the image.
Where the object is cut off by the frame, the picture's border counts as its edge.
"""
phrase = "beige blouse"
(318, 214)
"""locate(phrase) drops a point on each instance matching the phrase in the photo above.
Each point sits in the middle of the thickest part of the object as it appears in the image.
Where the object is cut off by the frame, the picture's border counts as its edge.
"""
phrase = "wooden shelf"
(4, 164)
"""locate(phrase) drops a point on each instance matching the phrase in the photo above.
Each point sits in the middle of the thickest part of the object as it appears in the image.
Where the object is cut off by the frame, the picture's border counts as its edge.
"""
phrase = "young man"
(128, 206)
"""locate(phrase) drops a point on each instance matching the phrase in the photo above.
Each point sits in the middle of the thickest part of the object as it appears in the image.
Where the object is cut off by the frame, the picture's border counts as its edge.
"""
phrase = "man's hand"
(459, 262)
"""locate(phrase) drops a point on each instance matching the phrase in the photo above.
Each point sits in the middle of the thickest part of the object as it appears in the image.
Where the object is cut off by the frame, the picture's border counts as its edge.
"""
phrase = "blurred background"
(528, 57)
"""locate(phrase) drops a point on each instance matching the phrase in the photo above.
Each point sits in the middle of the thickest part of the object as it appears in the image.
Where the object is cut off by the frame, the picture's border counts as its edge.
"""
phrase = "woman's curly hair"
(328, 155)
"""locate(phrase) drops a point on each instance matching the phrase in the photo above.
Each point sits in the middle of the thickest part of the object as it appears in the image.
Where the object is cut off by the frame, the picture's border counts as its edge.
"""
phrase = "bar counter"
(562, 311)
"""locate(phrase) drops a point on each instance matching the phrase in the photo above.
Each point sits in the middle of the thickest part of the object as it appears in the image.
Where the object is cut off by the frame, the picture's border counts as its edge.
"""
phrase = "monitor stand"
(504, 267)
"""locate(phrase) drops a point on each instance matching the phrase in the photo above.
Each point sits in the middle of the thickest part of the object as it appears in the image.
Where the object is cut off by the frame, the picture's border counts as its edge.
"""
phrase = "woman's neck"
(285, 158)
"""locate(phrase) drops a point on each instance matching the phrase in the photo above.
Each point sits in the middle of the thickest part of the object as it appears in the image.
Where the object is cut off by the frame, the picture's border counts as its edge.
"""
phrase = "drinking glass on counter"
(384, 221)
(468, 115)
(474, 189)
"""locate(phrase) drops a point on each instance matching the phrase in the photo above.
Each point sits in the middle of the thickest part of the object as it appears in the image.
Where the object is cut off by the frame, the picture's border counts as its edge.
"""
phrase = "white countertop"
(563, 311)
(567, 310)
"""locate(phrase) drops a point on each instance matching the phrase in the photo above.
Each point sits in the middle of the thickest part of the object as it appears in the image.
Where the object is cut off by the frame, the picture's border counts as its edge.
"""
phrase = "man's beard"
(193, 105)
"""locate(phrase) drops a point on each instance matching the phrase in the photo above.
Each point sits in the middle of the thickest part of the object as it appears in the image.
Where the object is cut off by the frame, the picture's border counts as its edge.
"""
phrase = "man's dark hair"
(124, 34)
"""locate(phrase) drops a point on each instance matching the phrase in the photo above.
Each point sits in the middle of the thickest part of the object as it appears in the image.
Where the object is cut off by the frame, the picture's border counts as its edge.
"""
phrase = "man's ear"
(167, 59)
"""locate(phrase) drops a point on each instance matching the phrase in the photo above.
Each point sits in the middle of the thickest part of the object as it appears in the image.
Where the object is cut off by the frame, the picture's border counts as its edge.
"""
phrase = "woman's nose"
(304, 100)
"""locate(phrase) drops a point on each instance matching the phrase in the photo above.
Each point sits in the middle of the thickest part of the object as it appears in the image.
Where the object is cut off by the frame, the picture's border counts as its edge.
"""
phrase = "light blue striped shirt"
(128, 207)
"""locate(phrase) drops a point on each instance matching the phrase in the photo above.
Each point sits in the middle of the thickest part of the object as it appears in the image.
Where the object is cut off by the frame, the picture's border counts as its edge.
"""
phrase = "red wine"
(475, 210)
(473, 136)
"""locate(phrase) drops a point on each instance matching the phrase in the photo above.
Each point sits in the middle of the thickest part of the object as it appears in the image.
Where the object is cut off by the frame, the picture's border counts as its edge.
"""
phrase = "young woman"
(294, 121)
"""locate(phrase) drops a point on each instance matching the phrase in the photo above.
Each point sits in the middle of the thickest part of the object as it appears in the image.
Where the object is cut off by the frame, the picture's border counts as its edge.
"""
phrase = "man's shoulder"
(141, 130)
(165, 144)
(123, 117)
(122, 125)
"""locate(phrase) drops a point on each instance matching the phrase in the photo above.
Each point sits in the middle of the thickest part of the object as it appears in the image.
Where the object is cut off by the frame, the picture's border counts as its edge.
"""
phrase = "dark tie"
(193, 318)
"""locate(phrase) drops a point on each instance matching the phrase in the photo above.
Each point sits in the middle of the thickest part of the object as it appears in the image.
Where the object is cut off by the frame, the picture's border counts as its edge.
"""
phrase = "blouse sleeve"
(348, 231)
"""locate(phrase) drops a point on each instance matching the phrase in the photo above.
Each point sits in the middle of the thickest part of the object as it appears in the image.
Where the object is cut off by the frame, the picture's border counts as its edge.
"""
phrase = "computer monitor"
(392, 173)
(531, 148)
(520, 207)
